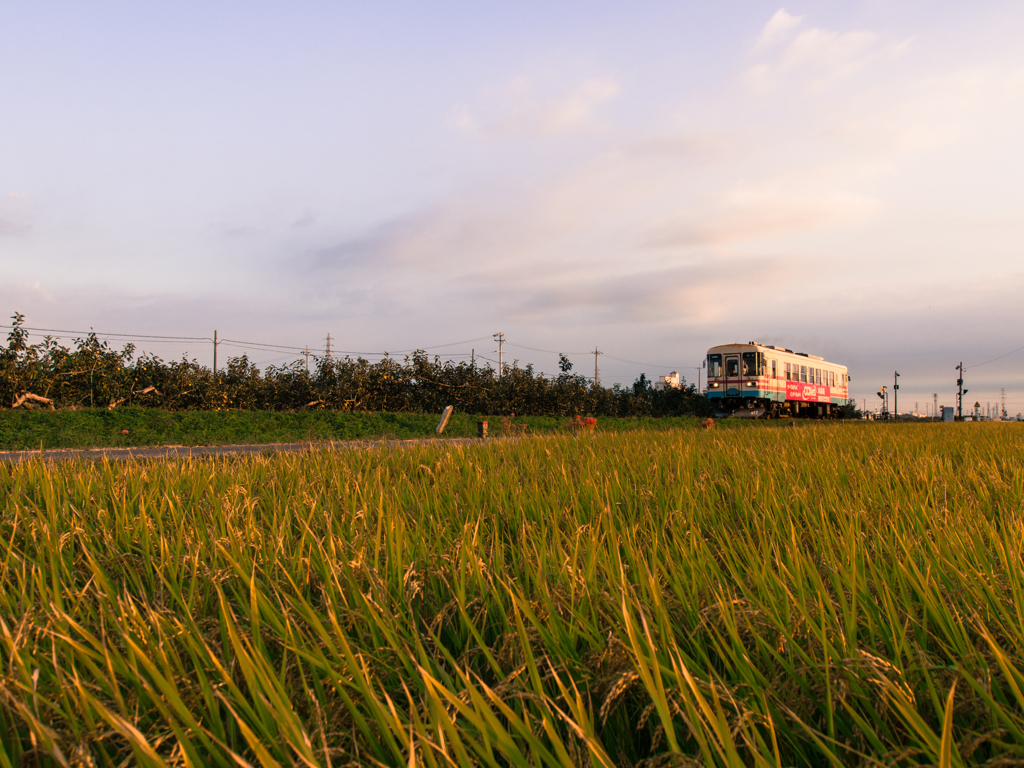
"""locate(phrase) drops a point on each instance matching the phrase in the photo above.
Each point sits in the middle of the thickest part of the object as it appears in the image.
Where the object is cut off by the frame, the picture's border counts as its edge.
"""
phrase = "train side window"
(817, 376)
(803, 374)
(775, 369)
(787, 371)
(831, 378)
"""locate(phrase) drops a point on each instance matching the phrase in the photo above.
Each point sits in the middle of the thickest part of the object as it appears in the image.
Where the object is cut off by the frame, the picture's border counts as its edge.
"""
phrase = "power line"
(123, 335)
(549, 351)
(634, 362)
(438, 346)
(261, 344)
(589, 352)
(303, 349)
(978, 365)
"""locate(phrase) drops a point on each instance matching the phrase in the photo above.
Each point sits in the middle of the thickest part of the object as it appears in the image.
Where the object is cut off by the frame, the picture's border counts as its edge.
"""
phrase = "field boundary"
(199, 451)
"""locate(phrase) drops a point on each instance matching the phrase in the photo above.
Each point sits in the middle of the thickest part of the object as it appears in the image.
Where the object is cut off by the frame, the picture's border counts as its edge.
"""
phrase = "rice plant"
(830, 595)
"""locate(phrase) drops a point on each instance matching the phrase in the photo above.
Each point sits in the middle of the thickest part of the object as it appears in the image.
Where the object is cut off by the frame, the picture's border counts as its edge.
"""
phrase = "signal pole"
(895, 397)
(960, 393)
(214, 353)
(500, 338)
(884, 397)
(597, 378)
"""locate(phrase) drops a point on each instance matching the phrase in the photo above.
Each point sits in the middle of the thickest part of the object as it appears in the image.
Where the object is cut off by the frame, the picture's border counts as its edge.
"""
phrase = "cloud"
(927, 114)
(688, 293)
(21, 297)
(820, 55)
(776, 28)
(750, 214)
(520, 111)
(16, 215)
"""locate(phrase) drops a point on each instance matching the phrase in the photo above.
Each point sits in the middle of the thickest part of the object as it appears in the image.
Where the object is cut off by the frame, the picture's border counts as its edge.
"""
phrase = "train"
(755, 380)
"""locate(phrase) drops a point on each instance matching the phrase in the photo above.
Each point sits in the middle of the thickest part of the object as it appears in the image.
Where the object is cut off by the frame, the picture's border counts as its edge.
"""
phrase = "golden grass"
(831, 595)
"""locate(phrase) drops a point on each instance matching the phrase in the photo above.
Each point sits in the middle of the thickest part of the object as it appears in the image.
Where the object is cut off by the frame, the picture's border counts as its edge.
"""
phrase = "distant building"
(670, 381)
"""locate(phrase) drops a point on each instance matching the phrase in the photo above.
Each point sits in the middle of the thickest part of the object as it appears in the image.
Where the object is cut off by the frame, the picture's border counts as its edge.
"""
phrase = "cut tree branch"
(29, 397)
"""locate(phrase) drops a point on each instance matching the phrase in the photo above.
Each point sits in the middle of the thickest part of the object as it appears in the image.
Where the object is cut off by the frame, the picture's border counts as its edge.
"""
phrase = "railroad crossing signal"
(960, 393)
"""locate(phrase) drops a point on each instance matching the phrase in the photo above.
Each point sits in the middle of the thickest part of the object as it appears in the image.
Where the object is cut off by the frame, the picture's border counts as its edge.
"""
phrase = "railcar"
(760, 381)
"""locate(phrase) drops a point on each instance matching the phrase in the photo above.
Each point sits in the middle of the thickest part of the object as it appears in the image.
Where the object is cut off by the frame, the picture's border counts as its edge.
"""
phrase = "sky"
(649, 179)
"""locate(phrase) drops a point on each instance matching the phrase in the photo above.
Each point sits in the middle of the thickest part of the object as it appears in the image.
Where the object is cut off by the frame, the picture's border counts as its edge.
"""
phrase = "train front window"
(732, 366)
(750, 364)
(714, 366)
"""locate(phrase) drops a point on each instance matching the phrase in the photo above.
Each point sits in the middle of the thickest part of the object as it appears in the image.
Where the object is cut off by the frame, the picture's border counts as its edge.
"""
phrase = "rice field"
(831, 595)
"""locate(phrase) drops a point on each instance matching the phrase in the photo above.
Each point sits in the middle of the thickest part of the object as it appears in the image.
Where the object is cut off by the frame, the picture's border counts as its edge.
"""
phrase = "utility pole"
(306, 350)
(500, 338)
(328, 343)
(1002, 395)
(960, 393)
(597, 377)
(895, 397)
(214, 353)
(935, 405)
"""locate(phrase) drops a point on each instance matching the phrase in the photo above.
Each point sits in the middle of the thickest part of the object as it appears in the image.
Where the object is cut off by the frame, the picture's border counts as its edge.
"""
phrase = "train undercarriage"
(754, 408)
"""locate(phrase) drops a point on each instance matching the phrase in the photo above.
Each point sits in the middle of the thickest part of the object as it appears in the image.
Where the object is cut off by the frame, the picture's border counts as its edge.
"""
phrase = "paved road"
(186, 451)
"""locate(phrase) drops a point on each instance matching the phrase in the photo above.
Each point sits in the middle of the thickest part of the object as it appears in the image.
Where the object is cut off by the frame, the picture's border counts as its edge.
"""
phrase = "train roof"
(758, 345)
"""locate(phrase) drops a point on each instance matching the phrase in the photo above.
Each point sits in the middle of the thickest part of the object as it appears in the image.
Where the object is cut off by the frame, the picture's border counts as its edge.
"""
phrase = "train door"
(733, 383)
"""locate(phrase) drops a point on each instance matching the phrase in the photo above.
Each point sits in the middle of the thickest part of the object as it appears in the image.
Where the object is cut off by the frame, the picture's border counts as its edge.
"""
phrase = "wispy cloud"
(521, 110)
(776, 29)
(16, 214)
(751, 214)
(786, 48)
